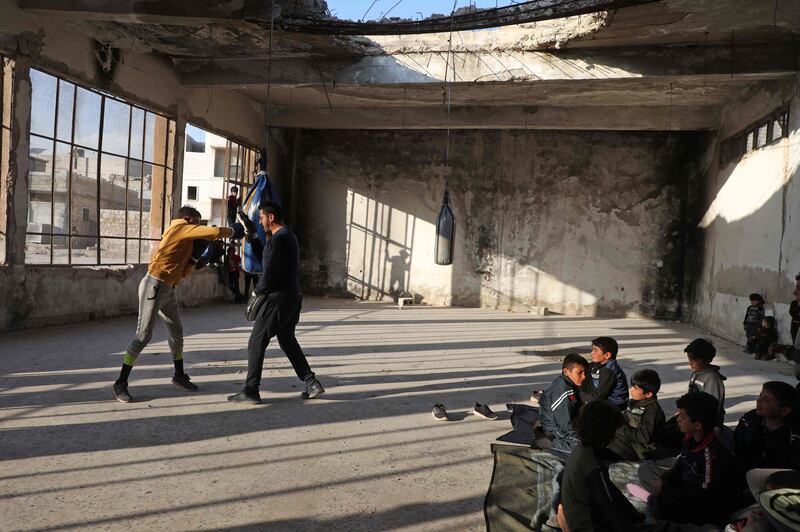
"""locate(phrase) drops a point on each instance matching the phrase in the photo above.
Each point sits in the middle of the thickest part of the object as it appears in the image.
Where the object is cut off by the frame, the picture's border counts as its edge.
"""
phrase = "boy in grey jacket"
(705, 375)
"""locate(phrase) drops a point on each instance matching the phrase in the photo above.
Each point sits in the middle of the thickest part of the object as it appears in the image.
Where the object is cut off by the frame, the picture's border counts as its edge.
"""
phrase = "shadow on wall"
(378, 248)
(589, 223)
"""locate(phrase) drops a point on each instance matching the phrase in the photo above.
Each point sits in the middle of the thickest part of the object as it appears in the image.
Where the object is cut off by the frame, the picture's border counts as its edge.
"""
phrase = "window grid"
(760, 133)
(161, 171)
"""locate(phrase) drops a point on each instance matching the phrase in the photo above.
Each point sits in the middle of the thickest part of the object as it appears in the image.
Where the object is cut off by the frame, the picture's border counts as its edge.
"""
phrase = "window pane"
(155, 138)
(762, 136)
(148, 249)
(112, 251)
(777, 130)
(84, 250)
(132, 252)
(195, 139)
(152, 197)
(66, 99)
(43, 103)
(40, 184)
(171, 143)
(137, 133)
(219, 163)
(112, 196)
(84, 193)
(37, 249)
(116, 120)
(134, 200)
(87, 118)
(61, 188)
(234, 167)
(60, 250)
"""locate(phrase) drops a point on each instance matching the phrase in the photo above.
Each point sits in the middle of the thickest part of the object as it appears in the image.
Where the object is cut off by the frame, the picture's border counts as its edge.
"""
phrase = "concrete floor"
(366, 456)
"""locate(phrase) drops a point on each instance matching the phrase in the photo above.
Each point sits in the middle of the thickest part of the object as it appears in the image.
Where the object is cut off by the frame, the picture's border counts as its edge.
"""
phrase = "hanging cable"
(269, 81)
(446, 222)
(449, 95)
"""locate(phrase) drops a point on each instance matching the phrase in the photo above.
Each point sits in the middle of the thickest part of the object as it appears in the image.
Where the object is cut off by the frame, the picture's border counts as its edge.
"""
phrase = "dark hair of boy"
(756, 297)
(270, 207)
(770, 321)
(784, 392)
(701, 349)
(187, 211)
(783, 479)
(572, 360)
(701, 408)
(597, 423)
(647, 380)
(607, 344)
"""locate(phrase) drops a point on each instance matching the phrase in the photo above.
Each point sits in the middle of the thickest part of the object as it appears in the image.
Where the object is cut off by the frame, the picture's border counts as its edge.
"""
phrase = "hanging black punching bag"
(445, 233)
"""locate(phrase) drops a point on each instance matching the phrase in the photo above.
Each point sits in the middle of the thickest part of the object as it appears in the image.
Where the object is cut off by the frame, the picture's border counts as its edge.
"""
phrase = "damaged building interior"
(621, 168)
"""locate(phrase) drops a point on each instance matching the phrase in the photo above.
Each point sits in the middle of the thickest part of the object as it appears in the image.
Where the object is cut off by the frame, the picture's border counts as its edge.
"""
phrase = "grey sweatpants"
(156, 298)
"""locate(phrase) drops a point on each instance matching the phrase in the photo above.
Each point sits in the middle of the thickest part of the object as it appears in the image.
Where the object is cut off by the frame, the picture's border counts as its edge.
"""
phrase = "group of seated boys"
(591, 415)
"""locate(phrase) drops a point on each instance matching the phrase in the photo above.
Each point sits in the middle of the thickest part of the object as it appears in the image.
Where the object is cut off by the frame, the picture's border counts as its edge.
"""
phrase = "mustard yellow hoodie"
(170, 263)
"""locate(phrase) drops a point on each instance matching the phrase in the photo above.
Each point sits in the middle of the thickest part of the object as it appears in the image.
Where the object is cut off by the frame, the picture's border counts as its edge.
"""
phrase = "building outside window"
(100, 181)
(208, 176)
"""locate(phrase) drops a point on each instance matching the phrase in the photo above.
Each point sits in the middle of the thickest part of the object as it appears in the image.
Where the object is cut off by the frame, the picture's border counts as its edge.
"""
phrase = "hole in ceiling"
(394, 10)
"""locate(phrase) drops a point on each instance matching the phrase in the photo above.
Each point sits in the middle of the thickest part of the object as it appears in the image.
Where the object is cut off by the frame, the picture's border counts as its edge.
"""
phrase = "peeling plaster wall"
(580, 222)
(751, 223)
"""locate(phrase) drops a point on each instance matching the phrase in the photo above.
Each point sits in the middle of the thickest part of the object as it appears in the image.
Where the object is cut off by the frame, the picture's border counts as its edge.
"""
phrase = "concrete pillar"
(16, 202)
(6, 80)
(177, 159)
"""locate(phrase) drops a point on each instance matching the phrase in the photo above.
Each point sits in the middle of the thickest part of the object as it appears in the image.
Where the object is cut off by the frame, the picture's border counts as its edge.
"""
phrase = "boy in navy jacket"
(607, 381)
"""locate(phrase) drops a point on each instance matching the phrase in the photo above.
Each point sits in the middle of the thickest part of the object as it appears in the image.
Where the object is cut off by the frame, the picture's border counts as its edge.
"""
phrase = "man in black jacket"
(279, 314)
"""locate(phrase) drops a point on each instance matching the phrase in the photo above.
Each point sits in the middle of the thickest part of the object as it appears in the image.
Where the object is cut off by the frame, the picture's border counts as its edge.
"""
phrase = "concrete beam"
(630, 118)
(433, 66)
(174, 12)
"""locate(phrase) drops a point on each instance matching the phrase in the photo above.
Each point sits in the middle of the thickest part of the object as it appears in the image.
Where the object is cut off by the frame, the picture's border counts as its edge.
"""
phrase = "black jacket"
(757, 448)
(607, 382)
(591, 501)
(558, 406)
(643, 420)
(281, 264)
(698, 488)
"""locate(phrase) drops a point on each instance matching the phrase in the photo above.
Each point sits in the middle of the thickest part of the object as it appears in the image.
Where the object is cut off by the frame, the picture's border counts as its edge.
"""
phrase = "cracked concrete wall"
(586, 223)
(751, 222)
(41, 296)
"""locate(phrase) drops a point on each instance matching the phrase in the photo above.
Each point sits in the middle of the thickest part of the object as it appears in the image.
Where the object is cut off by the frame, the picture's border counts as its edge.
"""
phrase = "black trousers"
(278, 317)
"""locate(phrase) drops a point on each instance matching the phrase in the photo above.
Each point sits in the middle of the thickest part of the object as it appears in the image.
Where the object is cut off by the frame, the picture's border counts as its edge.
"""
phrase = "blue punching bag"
(262, 190)
(445, 233)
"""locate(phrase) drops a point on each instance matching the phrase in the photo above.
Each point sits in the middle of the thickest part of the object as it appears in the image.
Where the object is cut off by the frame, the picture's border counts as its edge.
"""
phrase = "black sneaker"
(439, 413)
(243, 397)
(183, 381)
(313, 389)
(484, 411)
(121, 392)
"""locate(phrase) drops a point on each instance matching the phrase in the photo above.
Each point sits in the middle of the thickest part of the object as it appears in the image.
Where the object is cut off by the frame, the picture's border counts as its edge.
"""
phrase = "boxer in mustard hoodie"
(171, 263)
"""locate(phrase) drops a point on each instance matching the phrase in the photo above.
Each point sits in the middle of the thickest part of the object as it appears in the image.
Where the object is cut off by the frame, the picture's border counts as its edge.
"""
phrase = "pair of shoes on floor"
(483, 410)
(244, 397)
(181, 381)
(439, 412)
(313, 389)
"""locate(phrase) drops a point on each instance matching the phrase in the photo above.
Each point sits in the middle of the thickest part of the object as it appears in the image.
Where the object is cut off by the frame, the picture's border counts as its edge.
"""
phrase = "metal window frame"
(736, 145)
(166, 166)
